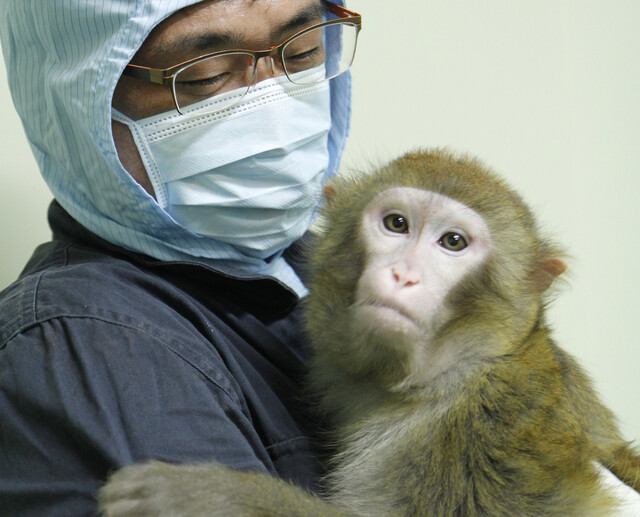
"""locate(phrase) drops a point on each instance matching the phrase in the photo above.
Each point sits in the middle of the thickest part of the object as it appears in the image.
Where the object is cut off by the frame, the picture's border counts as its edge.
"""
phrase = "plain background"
(547, 93)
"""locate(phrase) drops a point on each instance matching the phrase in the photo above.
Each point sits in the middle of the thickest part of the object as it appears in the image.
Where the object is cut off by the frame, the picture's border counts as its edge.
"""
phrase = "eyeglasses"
(315, 54)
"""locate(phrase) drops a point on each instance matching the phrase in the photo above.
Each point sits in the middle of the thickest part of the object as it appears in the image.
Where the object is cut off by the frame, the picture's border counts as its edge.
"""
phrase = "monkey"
(433, 363)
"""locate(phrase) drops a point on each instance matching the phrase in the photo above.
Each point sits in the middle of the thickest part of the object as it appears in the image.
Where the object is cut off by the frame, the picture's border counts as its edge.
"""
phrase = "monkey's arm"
(209, 489)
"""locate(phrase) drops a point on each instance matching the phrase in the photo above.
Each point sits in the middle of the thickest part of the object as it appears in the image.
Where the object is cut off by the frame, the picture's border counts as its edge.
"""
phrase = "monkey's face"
(424, 266)
(419, 245)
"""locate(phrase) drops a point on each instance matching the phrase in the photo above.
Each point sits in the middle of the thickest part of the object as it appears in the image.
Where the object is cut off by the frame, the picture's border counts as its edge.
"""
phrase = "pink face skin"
(205, 27)
(419, 245)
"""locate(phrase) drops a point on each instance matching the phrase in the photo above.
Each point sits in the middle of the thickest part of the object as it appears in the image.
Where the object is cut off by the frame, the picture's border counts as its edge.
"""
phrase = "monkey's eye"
(453, 241)
(396, 223)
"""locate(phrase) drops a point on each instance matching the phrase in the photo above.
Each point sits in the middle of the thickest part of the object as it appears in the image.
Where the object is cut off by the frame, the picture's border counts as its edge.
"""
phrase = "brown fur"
(510, 433)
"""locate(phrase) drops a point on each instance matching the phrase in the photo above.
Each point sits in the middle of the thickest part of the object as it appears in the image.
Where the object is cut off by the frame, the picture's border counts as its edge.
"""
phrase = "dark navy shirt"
(109, 358)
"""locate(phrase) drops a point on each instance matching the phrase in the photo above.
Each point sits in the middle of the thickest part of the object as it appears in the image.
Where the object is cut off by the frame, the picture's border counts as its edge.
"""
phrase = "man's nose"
(268, 66)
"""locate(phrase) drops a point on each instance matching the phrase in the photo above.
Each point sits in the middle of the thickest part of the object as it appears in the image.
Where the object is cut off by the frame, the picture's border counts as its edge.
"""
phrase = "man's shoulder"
(66, 281)
(77, 300)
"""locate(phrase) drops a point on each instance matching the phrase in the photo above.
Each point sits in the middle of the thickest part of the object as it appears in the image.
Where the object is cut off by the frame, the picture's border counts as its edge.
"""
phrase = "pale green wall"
(545, 91)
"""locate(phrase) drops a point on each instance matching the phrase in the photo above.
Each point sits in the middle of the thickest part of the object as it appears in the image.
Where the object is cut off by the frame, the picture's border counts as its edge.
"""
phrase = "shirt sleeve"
(80, 397)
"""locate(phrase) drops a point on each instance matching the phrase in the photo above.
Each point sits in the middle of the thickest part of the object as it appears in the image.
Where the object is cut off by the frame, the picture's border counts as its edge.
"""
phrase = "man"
(161, 321)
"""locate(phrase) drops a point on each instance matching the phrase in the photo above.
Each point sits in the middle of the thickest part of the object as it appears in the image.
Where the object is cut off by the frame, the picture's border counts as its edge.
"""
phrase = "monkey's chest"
(383, 461)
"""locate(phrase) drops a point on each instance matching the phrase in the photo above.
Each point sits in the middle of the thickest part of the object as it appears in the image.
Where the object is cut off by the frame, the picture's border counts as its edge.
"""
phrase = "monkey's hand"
(161, 490)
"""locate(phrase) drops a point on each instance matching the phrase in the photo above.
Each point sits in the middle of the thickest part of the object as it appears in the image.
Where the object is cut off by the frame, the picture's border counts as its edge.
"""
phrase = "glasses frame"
(168, 75)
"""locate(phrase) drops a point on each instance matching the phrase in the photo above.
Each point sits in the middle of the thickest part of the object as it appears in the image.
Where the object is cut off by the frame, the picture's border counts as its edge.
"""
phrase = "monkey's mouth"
(386, 313)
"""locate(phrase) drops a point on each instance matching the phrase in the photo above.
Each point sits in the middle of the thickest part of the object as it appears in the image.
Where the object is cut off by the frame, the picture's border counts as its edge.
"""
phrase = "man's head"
(208, 28)
(65, 62)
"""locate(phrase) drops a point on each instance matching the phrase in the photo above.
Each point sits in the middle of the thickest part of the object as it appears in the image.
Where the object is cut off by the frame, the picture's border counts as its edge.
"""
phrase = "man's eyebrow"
(194, 43)
(211, 42)
(307, 16)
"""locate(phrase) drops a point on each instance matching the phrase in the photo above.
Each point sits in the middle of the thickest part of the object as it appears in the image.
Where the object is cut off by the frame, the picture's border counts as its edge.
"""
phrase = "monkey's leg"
(624, 462)
(162, 490)
(627, 500)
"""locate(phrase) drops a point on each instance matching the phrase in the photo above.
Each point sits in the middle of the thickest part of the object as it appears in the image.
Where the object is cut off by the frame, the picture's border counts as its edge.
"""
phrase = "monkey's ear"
(329, 192)
(548, 270)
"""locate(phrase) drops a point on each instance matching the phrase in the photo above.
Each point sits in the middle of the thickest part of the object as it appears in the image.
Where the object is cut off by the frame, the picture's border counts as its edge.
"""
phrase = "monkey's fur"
(511, 427)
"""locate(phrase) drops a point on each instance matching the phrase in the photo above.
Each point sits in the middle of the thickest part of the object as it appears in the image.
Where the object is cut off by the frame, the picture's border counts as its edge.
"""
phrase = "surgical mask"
(249, 175)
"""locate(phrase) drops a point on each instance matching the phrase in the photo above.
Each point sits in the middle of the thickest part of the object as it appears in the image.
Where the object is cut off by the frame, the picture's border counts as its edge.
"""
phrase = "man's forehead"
(219, 24)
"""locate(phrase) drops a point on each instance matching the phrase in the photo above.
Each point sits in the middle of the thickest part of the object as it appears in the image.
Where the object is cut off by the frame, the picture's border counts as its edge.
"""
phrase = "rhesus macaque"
(432, 360)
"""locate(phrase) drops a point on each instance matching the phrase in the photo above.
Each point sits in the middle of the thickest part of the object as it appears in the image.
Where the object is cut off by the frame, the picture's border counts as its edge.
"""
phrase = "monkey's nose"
(404, 276)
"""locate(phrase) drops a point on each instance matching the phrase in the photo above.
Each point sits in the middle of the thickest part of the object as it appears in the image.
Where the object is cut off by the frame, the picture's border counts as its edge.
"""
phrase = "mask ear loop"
(146, 156)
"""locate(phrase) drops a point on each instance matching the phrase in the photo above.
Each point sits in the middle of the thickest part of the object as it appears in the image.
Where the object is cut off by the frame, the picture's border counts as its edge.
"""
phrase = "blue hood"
(64, 58)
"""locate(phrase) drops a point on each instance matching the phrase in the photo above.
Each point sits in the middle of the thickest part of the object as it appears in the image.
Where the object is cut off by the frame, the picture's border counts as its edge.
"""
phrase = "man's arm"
(81, 397)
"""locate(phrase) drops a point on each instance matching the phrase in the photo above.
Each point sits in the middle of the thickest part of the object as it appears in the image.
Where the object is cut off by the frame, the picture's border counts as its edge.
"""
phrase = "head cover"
(63, 60)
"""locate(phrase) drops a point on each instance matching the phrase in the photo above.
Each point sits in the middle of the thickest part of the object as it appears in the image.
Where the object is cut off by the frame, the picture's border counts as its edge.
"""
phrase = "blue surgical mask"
(250, 175)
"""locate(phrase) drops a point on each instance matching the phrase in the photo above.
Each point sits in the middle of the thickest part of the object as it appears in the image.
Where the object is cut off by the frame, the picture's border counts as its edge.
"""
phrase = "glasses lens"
(331, 46)
(227, 77)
